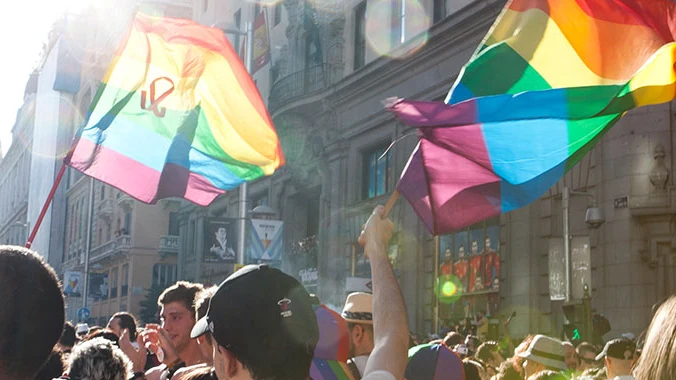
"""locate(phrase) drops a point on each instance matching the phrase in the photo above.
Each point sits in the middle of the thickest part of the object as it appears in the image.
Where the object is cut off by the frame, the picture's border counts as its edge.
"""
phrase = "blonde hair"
(658, 359)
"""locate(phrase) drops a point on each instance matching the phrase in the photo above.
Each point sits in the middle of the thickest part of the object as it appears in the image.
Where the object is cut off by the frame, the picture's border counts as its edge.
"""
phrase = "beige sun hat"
(358, 308)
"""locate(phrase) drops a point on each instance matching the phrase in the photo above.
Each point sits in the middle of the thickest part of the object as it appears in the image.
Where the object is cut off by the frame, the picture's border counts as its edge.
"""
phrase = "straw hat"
(546, 351)
(359, 308)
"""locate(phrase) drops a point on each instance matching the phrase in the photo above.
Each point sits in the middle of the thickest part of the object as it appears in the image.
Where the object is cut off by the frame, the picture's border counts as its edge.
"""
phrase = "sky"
(23, 31)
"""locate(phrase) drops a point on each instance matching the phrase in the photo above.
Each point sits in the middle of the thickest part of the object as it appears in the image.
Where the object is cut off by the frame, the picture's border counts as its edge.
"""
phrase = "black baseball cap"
(256, 306)
(621, 348)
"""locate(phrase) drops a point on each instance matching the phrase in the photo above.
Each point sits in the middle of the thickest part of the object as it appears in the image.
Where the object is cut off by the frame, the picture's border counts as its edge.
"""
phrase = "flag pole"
(45, 207)
(390, 202)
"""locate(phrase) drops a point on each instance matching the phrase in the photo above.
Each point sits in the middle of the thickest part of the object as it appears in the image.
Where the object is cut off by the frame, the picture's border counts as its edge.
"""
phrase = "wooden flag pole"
(45, 207)
(390, 202)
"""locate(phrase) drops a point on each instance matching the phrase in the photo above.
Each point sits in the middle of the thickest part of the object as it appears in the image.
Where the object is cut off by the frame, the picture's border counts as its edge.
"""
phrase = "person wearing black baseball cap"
(619, 358)
(263, 325)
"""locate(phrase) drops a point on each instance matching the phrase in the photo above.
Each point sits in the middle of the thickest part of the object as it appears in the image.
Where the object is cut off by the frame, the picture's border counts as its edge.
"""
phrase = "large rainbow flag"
(548, 80)
(176, 115)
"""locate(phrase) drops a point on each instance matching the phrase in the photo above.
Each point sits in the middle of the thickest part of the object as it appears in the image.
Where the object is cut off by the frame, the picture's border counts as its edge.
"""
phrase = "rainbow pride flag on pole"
(549, 79)
(176, 115)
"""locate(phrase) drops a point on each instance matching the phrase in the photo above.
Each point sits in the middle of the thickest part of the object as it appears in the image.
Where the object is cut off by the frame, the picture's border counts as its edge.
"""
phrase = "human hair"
(52, 368)
(200, 373)
(202, 301)
(127, 321)
(486, 350)
(98, 359)
(547, 374)
(453, 338)
(364, 326)
(472, 369)
(506, 371)
(32, 312)
(183, 292)
(586, 347)
(521, 348)
(106, 334)
(68, 337)
(658, 357)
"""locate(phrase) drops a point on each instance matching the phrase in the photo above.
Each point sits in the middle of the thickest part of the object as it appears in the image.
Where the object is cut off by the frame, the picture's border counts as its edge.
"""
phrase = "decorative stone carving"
(659, 176)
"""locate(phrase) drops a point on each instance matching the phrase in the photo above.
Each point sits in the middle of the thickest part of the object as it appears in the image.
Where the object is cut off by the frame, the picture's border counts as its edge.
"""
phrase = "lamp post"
(594, 218)
(248, 63)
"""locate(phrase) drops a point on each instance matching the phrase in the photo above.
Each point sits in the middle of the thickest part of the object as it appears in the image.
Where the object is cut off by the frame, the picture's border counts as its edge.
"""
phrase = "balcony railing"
(169, 243)
(105, 208)
(122, 243)
(302, 83)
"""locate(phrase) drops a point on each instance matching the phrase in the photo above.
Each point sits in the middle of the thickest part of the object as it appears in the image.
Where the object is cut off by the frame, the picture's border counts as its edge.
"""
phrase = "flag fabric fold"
(176, 115)
(546, 83)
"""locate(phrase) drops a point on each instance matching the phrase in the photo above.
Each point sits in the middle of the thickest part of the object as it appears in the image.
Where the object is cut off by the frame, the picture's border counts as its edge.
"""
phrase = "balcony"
(104, 210)
(114, 247)
(169, 244)
(302, 84)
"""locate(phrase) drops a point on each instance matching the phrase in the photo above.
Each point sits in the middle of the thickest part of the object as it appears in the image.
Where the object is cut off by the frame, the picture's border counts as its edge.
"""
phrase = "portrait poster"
(220, 240)
(475, 279)
(460, 264)
(446, 255)
(72, 283)
(98, 286)
(491, 260)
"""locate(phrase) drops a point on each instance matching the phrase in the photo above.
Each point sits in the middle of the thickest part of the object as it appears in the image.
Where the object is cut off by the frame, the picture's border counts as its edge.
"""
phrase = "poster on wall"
(72, 283)
(445, 255)
(476, 240)
(557, 281)
(266, 240)
(220, 240)
(580, 252)
(460, 264)
(98, 286)
(491, 258)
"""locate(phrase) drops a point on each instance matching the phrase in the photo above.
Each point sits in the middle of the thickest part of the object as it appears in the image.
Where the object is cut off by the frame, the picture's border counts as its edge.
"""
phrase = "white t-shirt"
(379, 375)
(360, 362)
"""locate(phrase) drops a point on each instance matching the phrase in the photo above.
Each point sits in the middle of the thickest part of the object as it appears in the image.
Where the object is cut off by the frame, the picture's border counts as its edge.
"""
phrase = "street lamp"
(594, 218)
(228, 28)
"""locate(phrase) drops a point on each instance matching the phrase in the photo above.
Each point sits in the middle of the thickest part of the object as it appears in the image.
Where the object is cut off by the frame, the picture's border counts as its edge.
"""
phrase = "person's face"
(461, 251)
(587, 360)
(221, 234)
(448, 254)
(487, 243)
(114, 324)
(178, 321)
(571, 357)
(475, 247)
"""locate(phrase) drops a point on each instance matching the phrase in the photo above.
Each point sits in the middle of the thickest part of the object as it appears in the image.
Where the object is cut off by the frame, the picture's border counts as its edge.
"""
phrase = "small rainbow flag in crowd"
(549, 79)
(176, 115)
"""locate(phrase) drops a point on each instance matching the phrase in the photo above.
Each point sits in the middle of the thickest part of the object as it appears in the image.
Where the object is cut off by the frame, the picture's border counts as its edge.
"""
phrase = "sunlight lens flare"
(396, 28)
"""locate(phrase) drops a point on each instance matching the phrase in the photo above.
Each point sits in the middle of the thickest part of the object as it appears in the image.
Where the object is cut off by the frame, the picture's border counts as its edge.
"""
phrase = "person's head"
(461, 251)
(489, 353)
(618, 355)
(106, 334)
(81, 330)
(177, 313)
(98, 359)
(547, 374)
(473, 370)
(572, 360)
(587, 354)
(507, 371)
(121, 321)
(453, 338)
(201, 308)
(487, 243)
(221, 233)
(472, 342)
(53, 367)
(32, 314)
(475, 247)
(658, 355)
(68, 337)
(543, 353)
(262, 324)
(448, 254)
(432, 361)
(358, 313)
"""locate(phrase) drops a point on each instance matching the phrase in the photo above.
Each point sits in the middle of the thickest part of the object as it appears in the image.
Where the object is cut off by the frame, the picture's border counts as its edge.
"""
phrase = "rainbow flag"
(546, 83)
(176, 115)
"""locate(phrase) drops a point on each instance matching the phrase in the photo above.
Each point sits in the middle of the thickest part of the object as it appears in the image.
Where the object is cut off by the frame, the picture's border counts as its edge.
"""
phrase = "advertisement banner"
(220, 240)
(98, 286)
(557, 279)
(261, 49)
(266, 240)
(72, 283)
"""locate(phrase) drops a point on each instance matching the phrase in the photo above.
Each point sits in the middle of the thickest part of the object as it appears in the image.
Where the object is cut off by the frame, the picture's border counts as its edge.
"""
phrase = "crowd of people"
(260, 323)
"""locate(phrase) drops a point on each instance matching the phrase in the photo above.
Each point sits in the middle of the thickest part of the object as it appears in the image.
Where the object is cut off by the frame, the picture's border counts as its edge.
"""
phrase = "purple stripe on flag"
(140, 181)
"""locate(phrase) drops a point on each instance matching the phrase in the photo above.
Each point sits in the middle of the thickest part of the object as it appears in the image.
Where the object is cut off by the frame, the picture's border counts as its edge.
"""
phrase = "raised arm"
(390, 323)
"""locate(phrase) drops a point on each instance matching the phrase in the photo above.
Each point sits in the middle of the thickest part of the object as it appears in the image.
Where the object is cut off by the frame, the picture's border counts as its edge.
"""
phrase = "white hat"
(546, 351)
(359, 308)
(82, 328)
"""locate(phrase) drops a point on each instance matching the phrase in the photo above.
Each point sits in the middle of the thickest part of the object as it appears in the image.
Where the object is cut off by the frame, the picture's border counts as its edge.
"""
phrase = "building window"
(257, 9)
(127, 224)
(439, 10)
(113, 283)
(260, 201)
(192, 230)
(278, 13)
(125, 280)
(398, 22)
(103, 191)
(360, 35)
(173, 223)
(238, 24)
(377, 172)
(164, 274)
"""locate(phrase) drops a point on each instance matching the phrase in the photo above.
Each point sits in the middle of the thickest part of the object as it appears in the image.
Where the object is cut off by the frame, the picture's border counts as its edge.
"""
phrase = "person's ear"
(232, 365)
